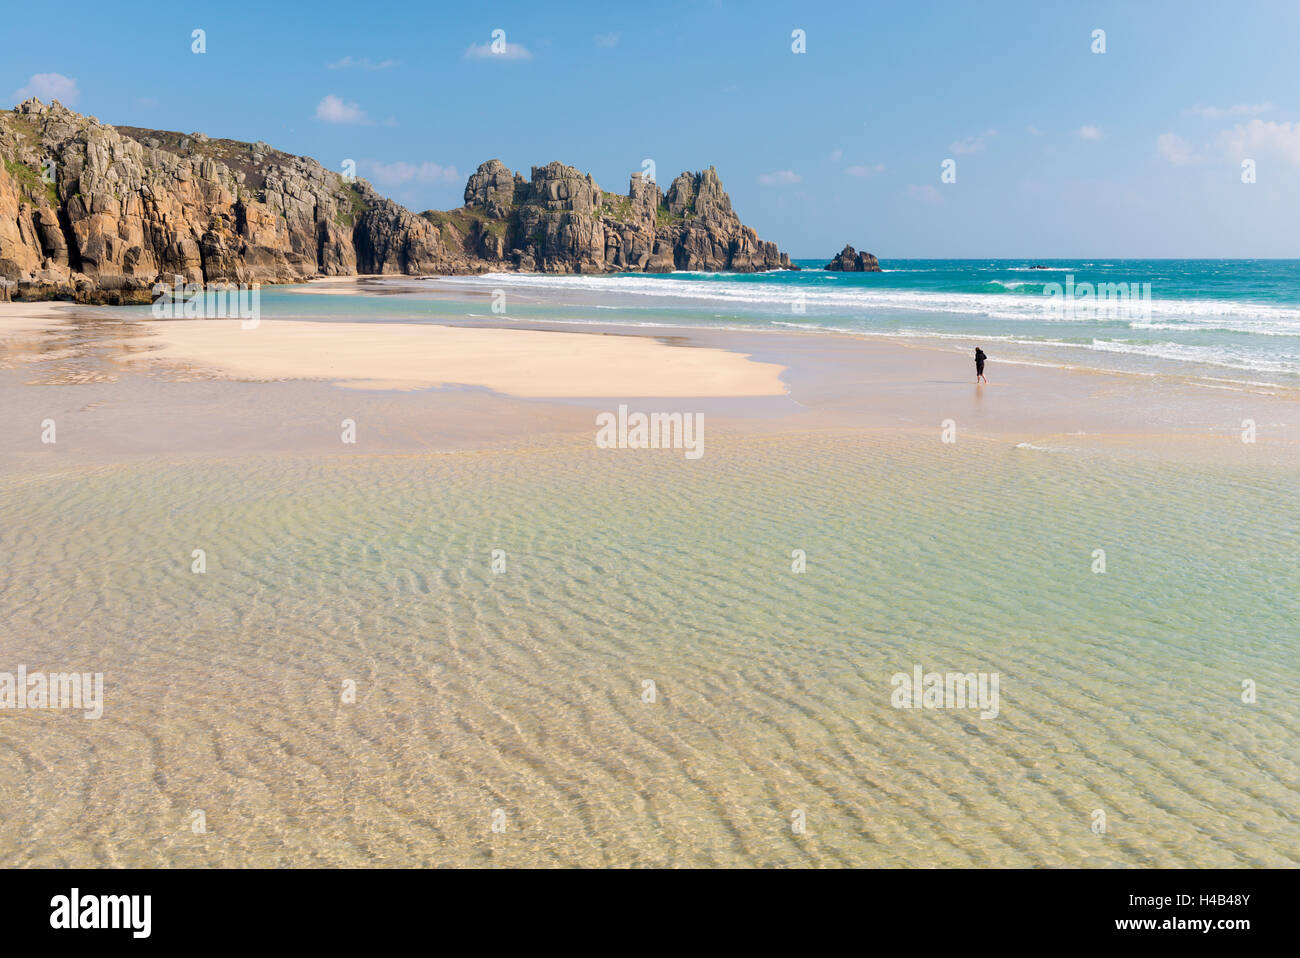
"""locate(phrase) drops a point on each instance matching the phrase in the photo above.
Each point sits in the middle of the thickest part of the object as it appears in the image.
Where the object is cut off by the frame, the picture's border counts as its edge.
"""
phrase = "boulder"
(851, 261)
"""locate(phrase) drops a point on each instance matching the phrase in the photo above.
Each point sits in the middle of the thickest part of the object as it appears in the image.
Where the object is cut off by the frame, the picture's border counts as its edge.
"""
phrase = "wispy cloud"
(364, 63)
(972, 144)
(925, 194)
(1261, 137)
(509, 51)
(401, 172)
(606, 40)
(1176, 150)
(864, 171)
(780, 178)
(334, 110)
(1087, 132)
(1237, 109)
(50, 86)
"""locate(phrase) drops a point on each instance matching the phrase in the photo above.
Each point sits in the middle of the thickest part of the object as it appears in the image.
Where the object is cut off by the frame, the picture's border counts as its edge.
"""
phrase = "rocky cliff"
(99, 214)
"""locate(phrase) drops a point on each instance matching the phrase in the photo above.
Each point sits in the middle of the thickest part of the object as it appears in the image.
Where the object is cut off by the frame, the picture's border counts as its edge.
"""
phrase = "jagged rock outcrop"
(100, 214)
(851, 261)
(494, 188)
(389, 238)
(561, 221)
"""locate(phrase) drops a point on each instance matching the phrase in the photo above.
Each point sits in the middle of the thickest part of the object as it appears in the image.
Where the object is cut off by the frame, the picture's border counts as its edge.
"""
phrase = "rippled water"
(523, 690)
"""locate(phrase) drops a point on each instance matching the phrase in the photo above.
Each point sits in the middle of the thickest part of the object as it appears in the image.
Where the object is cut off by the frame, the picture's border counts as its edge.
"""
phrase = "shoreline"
(383, 285)
(467, 384)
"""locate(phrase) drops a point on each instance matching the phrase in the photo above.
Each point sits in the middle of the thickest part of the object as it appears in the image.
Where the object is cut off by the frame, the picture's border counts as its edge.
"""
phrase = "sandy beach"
(517, 362)
(475, 383)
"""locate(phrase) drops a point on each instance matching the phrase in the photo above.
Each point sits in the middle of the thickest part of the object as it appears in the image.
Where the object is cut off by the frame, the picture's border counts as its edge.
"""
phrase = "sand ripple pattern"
(522, 691)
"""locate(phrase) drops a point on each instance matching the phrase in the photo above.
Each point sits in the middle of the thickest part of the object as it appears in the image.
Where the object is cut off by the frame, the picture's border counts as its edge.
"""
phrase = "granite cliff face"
(99, 214)
(561, 221)
(851, 261)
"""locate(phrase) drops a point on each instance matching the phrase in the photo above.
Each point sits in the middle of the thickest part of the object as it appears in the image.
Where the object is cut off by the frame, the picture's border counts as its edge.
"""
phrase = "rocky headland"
(851, 261)
(97, 213)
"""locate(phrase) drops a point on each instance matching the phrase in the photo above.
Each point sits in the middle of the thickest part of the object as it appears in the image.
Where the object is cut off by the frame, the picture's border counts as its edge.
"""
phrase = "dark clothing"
(979, 362)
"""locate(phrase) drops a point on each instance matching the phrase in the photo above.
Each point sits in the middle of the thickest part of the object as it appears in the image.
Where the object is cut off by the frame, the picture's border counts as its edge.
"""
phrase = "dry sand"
(516, 362)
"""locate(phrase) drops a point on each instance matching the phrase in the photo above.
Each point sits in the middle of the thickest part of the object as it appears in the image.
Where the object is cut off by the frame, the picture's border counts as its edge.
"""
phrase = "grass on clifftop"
(664, 218)
(31, 184)
(463, 220)
(615, 207)
(236, 155)
(351, 205)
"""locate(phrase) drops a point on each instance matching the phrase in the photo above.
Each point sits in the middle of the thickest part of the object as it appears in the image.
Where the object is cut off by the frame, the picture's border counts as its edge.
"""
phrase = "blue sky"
(1059, 151)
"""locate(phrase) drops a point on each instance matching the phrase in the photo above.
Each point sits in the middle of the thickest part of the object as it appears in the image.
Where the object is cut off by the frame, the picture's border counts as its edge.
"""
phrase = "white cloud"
(363, 64)
(972, 144)
(399, 173)
(1034, 131)
(837, 155)
(926, 194)
(334, 110)
(863, 171)
(606, 40)
(780, 178)
(510, 51)
(1176, 150)
(1237, 109)
(1248, 140)
(50, 86)
(1090, 132)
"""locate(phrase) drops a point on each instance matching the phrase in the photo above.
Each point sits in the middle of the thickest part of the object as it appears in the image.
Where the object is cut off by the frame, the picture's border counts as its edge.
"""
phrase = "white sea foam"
(1036, 448)
(1229, 315)
(1247, 340)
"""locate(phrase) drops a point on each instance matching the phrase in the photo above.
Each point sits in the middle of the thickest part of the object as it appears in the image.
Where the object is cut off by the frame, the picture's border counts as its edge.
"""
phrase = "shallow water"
(1229, 321)
(523, 690)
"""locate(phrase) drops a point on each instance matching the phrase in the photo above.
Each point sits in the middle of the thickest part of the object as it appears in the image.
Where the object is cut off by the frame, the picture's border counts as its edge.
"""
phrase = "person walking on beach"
(979, 366)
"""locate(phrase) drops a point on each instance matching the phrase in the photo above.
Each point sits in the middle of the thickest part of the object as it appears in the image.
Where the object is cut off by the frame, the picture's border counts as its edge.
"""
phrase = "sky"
(1058, 150)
